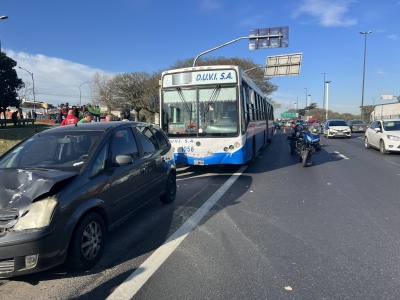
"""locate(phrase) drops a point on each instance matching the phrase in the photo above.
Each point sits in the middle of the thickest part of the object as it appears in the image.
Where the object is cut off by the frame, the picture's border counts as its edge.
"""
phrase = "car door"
(128, 183)
(151, 153)
(373, 136)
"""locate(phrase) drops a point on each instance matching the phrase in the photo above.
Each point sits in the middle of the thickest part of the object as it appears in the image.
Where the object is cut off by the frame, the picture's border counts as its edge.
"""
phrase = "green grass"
(11, 135)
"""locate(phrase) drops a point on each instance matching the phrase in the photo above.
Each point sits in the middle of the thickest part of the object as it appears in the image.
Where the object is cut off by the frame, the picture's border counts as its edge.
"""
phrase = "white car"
(336, 128)
(384, 135)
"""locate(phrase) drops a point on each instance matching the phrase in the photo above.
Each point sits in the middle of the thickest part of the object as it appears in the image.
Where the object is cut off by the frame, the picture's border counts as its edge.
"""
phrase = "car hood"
(20, 187)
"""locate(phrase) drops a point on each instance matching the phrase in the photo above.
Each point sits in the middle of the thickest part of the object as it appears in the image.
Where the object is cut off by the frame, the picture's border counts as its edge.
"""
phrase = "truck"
(386, 111)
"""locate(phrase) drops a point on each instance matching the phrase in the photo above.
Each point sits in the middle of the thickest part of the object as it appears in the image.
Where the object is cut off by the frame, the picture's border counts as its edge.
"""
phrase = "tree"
(9, 83)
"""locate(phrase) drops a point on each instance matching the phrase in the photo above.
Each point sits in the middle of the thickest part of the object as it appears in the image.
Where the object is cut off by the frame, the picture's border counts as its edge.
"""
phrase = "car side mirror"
(122, 160)
(377, 130)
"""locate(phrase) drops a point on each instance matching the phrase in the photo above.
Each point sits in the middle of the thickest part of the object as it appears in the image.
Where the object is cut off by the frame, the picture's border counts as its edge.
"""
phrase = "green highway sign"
(288, 115)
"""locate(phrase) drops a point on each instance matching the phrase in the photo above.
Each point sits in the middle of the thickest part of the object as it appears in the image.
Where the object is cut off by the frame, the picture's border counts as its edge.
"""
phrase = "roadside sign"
(263, 38)
(386, 96)
(283, 65)
(288, 115)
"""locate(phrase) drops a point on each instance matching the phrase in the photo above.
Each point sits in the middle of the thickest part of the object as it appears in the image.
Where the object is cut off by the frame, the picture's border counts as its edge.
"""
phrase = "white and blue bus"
(214, 115)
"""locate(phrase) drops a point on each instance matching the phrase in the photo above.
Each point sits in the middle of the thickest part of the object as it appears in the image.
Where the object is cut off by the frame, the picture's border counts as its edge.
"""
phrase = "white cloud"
(210, 5)
(327, 12)
(56, 80)
(392, 36)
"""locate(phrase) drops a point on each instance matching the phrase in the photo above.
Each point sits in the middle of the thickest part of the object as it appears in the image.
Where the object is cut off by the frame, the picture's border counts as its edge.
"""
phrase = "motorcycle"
(306, 141)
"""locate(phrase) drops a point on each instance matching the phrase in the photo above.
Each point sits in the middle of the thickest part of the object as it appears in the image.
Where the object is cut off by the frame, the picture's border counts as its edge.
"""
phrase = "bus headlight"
(231, 147)
(226, 149)
(237, 145)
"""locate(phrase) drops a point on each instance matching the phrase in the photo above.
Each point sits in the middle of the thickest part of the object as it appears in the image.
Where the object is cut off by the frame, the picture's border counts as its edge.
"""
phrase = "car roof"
(387, 120)
(98, 126)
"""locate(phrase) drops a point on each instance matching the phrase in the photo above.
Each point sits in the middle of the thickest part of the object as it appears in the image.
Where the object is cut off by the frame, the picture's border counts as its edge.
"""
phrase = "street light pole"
(326, 99)
(365, 33)
(306, 95)
(323, 100)
(33, 89)
(80, 94)
(2, 18)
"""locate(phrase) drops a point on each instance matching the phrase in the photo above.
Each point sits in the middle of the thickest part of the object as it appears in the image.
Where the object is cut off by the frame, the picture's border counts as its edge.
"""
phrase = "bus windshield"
(216, 114)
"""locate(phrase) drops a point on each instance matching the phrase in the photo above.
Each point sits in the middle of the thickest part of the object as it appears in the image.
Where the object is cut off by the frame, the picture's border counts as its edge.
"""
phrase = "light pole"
(2, 18)
(323, 100)
(33, 89)
(365, 33)
(80, 94)
(326, 99)
(373, 106)
(306, 95)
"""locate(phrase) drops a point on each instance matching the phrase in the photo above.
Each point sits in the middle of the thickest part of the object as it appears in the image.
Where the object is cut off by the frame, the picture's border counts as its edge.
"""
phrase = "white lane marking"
(341, 155)
(140, 276)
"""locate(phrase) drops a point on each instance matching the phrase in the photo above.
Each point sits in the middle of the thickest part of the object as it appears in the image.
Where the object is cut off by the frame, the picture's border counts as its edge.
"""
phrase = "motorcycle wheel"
(306, 153)
(292, 147)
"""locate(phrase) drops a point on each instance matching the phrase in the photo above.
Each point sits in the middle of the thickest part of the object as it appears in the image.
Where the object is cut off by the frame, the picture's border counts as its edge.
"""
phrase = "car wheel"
(170, 190)
(366, 144)
(87, 243)
(382, 147)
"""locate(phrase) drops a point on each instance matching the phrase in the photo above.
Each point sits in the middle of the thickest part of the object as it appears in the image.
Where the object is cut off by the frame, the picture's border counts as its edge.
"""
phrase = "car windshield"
(64, 151)
(391, 125)
(357, 122)
(337, 123)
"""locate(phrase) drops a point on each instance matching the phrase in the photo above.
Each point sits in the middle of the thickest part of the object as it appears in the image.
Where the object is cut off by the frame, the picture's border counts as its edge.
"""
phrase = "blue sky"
(63, 43)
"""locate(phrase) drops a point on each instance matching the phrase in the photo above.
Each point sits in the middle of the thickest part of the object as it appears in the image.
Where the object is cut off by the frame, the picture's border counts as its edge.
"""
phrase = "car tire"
(170, 190)
(382, 148)
(87, 243)
(366, 144)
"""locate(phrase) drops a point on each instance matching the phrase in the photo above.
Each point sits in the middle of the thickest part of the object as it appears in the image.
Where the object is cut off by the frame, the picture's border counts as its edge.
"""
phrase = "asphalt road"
(275, 230)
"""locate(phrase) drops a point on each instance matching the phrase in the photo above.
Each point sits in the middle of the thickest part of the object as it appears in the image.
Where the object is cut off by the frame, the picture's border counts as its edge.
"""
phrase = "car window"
(374, 124)
(337, 123)
(99, 162)
(149, 134)
(124, 143)
(161, 138)
(148, 146)
(391, 125)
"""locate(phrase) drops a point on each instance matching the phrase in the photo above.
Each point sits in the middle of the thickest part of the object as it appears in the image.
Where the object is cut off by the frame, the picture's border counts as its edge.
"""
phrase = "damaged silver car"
(63, 189)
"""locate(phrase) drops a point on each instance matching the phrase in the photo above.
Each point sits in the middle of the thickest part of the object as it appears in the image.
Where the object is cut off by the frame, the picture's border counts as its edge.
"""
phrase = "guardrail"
(4, 122)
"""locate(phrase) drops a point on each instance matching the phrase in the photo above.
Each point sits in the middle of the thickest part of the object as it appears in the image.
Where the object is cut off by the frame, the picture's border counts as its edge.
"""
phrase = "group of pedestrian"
(68, 115)
(18, 115)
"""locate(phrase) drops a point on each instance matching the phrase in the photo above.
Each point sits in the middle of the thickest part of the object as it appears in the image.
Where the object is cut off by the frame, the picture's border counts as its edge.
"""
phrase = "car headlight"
(36, 215)
(393, 137)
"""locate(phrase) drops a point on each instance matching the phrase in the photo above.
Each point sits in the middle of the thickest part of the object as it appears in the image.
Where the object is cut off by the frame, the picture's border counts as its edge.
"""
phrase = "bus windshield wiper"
(213, 96)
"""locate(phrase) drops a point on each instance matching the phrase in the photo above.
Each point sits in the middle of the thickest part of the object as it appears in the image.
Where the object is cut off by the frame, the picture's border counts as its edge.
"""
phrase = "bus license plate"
(199, 162)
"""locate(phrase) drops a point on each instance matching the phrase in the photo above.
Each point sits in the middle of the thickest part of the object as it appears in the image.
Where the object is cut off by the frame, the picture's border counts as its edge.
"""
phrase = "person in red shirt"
(70, 119)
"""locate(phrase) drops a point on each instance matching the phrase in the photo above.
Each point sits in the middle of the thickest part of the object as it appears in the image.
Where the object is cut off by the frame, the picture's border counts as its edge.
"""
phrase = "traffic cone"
(284, 130)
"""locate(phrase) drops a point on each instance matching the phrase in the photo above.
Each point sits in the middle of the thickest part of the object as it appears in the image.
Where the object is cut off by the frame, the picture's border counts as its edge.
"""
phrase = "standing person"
(71, 119)
(8, 113)
(87, 118)
(14, 117)
(108, 118)
(97, 113)
(61, 113)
